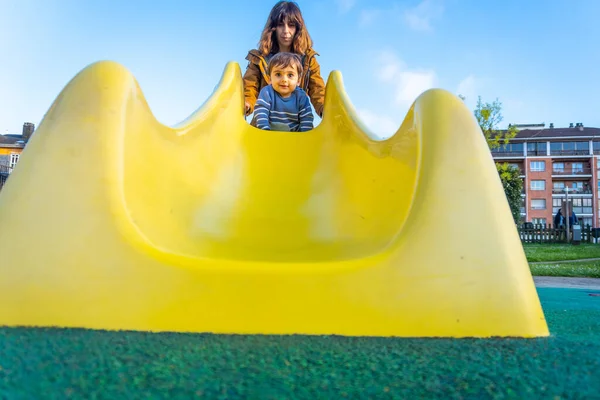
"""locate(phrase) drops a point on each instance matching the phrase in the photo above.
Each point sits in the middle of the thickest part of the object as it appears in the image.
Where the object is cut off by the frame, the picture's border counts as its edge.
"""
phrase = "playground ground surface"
(77, 363)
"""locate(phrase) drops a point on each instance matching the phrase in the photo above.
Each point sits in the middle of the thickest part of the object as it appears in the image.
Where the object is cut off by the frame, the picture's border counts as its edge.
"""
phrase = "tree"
(513, 186)
(488, 116)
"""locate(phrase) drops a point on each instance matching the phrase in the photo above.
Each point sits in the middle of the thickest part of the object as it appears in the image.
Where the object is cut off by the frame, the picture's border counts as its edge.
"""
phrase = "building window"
(577, 167)
(536, 149)
(569, 148)
(523, 205)
(582, 206)
(514, 165)
(14, 158)
(538, 204)
(556, 205)
(597, 150)
(585, 221)
(538, 185)
(587, 202)
(538, 221)
(512, 149)
(558, 167)
(537, 166)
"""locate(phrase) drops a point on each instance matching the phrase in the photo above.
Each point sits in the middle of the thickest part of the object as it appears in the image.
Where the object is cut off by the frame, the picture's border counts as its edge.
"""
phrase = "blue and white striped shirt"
(294, 112)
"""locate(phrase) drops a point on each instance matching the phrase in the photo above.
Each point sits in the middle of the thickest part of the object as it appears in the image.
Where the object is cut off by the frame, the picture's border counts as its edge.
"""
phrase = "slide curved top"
(214, 187)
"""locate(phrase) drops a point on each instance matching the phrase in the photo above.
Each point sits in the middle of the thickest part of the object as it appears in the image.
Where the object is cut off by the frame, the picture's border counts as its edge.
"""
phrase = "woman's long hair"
(284, 11)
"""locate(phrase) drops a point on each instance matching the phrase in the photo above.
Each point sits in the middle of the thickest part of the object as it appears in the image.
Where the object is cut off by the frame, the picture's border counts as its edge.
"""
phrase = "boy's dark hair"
(285, 60)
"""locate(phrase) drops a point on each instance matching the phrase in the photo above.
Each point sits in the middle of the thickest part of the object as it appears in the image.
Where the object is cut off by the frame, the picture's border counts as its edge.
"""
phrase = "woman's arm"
(316, 87)
(251, 81)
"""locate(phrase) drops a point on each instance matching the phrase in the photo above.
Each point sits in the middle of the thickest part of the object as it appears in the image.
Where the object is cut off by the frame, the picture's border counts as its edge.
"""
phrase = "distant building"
(11, 147)
(551, 159)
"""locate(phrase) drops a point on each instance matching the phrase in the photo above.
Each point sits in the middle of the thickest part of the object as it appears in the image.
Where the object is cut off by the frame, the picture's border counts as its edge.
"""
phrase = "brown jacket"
(256, 77)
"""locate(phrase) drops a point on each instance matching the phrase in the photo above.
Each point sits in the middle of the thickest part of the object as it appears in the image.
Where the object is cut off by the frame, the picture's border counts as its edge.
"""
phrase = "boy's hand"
(247, 105)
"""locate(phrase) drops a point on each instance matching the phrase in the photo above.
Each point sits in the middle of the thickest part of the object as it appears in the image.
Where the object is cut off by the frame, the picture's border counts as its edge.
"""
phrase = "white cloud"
(467, 88)
(404, 84)
(412, 83)
(345, 5)
(419, 17)
(407, 83)
(381, 126)
(367, 17)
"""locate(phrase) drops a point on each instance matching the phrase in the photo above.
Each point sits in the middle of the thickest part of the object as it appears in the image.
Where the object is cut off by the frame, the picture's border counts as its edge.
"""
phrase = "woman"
(284, 31)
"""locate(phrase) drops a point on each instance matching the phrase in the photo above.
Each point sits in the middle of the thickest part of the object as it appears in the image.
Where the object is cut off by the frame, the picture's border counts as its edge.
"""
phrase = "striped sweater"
(293, 112)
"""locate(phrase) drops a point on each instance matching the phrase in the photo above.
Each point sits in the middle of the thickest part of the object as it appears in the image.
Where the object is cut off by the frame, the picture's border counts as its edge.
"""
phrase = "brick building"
(551, 160)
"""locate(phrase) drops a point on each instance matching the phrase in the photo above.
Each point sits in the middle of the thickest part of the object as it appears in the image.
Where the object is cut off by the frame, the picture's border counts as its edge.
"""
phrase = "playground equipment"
(112, 220)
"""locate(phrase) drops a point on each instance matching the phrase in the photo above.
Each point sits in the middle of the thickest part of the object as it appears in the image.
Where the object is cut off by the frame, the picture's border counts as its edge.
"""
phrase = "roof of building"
(558, 132)
(578, 131)
(11, 139)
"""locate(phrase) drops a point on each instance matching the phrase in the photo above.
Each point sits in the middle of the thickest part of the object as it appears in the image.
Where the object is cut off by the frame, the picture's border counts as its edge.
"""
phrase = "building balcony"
(577, 210)
(507, 154)
(571, 172)
(572, 191)
(570, 153)
(583, 210)
(536, 153)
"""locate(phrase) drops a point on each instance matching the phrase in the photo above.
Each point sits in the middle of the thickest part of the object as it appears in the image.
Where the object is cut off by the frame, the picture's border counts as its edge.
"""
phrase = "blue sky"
(540, 58)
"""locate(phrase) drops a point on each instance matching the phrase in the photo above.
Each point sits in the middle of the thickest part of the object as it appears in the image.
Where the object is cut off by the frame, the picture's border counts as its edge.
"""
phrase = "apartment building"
(553, 161)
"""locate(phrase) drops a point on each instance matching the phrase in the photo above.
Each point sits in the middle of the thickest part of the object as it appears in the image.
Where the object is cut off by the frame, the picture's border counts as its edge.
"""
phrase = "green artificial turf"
(70, 363)
(560, 251)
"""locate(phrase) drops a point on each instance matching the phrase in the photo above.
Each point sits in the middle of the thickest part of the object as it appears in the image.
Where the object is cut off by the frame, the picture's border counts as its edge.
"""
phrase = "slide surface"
(112, 220)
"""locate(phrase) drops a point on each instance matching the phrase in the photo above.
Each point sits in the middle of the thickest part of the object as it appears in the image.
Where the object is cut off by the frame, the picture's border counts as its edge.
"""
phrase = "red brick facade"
(571, 159)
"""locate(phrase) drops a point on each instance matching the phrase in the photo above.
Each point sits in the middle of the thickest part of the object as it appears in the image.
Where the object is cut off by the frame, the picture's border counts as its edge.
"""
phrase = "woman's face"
(285, 32)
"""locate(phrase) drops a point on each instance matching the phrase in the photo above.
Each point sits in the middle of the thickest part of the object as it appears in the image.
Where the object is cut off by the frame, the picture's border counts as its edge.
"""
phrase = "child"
(284, 31)
(282, 105)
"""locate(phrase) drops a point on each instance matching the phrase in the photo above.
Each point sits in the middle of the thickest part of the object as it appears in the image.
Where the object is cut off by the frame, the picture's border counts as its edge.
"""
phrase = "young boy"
(281, 105)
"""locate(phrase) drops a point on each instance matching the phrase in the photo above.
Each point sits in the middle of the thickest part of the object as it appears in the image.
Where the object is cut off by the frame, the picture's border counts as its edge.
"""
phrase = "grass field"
(590, 269)
(62, 364)
(560, 252)
(550, 253)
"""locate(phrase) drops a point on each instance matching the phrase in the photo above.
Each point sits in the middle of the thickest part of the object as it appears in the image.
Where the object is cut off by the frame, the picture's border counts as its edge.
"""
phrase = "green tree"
(513, 186)
(488, 116)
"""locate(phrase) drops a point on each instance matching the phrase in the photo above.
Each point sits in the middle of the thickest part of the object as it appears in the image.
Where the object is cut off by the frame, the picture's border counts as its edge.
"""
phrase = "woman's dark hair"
(285, 11)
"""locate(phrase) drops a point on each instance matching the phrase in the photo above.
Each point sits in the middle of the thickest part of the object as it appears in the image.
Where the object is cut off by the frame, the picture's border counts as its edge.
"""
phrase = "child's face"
(284, 80)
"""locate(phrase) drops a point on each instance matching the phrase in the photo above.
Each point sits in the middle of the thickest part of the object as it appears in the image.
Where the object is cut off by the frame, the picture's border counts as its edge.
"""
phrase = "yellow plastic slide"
(112, 220)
